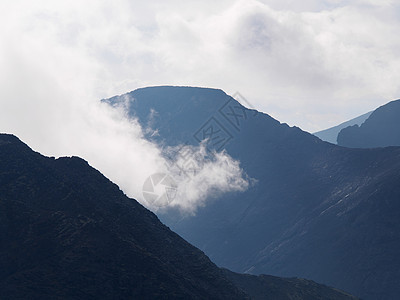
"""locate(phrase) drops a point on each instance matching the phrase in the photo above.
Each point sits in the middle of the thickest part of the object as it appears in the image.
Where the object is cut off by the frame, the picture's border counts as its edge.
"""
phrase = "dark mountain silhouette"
(67, 232)
(330, 135)
(317, 211)
(381, 129)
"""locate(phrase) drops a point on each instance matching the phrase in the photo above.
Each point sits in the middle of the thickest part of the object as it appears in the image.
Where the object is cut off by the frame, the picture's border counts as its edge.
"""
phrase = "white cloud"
(200, 176)
(56, 61)
(304, 66)
(310, 63)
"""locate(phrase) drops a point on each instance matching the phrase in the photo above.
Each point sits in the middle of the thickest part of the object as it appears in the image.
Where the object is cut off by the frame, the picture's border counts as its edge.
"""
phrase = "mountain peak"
(311, 201)
(8, 138)
(64, 215)
(380, 129)
(170, 88)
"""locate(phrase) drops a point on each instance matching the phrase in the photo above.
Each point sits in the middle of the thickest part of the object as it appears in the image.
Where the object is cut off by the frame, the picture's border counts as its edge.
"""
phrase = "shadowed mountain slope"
(330, 135)
(271, 287)
(381, 129)
(67, 232)
(317, 211)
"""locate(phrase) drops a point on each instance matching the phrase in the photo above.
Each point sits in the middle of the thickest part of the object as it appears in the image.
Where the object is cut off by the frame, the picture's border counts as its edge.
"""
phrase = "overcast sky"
(310, 63)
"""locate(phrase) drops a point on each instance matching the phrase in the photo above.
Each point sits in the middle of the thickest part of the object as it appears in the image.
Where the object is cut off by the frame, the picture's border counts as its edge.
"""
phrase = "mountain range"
(315, 210)
(67, 232)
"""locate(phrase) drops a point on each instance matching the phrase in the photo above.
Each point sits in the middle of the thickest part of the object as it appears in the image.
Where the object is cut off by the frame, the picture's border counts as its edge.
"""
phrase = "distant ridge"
(330, 135)
(381, 129)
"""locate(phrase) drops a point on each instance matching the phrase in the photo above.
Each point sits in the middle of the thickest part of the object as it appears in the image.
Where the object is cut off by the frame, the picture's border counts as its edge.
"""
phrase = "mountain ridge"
(380, 129)
(330, 134)
(308, 190)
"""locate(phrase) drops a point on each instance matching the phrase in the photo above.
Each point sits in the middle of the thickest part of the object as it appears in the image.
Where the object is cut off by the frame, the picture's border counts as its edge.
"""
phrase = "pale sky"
(310, 63)
(313, 64)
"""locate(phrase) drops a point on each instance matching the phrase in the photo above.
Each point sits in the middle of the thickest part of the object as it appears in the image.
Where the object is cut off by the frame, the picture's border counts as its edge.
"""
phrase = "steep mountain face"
(381, 129)
(66, 232)
(331, 134)
(317, 211)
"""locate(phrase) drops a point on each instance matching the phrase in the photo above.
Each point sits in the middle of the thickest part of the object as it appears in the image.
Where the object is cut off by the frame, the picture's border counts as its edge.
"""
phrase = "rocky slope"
(381, 129)
(318, 211)
(66, 232)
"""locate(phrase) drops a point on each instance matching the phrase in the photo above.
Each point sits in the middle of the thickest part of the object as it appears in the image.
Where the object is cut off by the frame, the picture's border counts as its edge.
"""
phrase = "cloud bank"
(54, 70)
(311, 63)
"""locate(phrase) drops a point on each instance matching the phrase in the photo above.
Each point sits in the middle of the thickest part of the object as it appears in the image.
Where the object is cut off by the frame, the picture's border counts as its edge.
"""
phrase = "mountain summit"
(317, 210)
